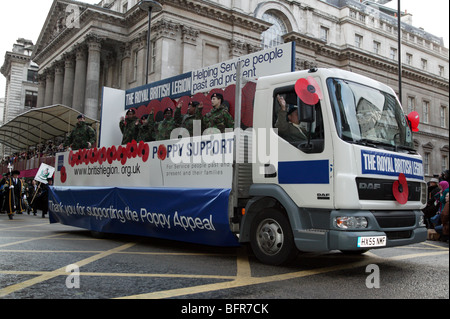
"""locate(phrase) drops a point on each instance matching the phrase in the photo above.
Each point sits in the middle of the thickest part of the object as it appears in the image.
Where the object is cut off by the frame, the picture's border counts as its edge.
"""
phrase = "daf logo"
(374, 186)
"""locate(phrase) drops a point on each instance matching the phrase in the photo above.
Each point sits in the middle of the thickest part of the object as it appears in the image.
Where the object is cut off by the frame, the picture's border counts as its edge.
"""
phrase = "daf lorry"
(326, 162)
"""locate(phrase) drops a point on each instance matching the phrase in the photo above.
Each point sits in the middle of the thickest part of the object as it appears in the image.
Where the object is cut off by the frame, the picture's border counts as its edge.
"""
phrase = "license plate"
(375, 241)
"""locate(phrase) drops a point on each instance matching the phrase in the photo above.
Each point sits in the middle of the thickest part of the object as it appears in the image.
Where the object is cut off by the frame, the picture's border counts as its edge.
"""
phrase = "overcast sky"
(25, 19)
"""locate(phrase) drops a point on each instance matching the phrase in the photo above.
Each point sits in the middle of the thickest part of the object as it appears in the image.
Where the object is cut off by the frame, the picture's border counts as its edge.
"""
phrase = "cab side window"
(298, 123)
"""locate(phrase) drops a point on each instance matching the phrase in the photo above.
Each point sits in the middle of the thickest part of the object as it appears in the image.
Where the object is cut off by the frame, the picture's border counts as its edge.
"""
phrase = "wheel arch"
(273, 196)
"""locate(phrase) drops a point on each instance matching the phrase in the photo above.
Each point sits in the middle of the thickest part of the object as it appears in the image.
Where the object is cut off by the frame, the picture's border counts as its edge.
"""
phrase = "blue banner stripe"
(304, 172)
(388, 164)
(191, 215)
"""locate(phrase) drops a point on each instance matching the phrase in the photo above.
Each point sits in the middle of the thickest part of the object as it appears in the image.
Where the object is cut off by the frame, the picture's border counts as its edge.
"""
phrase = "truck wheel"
(271, 238)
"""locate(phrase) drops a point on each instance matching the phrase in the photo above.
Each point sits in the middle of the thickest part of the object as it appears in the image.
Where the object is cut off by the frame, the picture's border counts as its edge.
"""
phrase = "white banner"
(199, 162)
(262, 63)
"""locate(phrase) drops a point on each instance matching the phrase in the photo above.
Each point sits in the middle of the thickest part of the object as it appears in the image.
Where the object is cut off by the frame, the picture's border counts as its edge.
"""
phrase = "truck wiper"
(407, 148)
(375, 144)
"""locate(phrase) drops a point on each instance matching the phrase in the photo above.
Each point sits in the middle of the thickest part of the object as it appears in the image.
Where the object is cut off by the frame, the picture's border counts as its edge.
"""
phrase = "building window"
(31, 99)
(125, 7)
(153, 64)
(135, 64)
(273, 36)
(424, 64)
(358, 40)
(425, 111)
(376, 47)
(32, 76)
(409, 58)
(324, 34)
(444, 165)
(426, 164)
(393, 53)
(443, 115)
(411, 104)
(441, 71)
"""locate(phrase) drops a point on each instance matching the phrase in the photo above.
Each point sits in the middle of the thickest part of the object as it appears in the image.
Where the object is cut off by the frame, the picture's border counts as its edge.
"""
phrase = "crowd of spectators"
(47, 149)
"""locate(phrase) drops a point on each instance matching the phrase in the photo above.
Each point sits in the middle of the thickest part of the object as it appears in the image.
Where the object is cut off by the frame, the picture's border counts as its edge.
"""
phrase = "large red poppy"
(400, 189)
(93, 155)
(78, 157)
(143, 151)
(86, 157)
(132, 149)
(111, 154)
(63, 174)
(72, 159)
(308, 91)
(122, 155)
(162, 152)
(102, 155)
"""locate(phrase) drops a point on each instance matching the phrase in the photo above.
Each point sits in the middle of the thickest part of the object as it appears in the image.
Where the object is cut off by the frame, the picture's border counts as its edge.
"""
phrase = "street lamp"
(149, 6)
(399, 35)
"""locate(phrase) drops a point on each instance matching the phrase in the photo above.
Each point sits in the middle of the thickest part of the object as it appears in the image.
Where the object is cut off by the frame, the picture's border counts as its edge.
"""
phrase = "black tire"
(271, 238)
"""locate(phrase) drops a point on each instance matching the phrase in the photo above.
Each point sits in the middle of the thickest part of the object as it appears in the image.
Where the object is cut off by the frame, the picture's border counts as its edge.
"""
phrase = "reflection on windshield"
(368, 116)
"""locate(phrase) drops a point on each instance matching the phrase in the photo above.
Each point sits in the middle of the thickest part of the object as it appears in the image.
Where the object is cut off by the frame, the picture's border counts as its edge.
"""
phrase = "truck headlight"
(350, 222)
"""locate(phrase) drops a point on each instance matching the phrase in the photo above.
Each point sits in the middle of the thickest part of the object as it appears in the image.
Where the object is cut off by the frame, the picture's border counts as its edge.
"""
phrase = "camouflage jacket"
(80, 136)
(218, 118)
(146, 133)
(129, 130)
(164, 128)
(187, 121)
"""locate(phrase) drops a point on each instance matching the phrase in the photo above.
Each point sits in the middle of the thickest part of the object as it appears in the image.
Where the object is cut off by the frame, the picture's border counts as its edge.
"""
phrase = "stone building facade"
(83, 48)
(21, 80)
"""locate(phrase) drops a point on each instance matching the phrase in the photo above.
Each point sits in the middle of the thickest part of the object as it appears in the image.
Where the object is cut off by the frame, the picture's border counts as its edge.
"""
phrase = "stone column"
(93, 78)
(49, 87)
(79, 85)
(189, 46)
(126, 60)
(58, 86)
(69, 77)
(41, 91)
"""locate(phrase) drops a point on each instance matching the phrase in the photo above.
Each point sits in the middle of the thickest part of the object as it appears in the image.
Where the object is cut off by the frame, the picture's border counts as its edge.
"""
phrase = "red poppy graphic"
(72, 159)
(400, 189)
(93, 155)
(143, 151)
(86, 157)
(63, 174)
(308, 91)
(78, 158)
(122, 155)
(111, 154)
(132, 149)
(101, 158)
(162, 152)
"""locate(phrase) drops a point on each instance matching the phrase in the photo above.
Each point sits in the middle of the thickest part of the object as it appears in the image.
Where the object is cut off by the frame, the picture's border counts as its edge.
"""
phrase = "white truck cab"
(352, 181)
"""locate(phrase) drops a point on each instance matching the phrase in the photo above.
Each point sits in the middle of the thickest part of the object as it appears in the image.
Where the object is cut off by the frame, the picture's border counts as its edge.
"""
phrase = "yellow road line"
(28, 240)
(47, 276)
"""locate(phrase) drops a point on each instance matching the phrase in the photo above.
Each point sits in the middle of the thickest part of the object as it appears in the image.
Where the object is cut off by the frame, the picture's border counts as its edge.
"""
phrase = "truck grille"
(395, 219)
(392, 235)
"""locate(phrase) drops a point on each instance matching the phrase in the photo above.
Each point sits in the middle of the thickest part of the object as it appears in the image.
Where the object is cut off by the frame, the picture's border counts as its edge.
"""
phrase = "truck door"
(305, 156)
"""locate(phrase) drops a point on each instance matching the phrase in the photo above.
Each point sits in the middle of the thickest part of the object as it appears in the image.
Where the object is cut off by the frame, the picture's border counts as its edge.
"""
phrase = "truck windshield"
(367, 116)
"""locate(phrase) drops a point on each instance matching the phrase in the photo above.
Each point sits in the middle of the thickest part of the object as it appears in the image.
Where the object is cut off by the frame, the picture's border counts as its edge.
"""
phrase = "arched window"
(273, 36)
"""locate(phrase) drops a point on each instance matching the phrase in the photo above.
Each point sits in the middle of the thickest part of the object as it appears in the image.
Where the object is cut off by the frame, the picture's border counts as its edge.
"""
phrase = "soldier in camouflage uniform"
(129, 127)
(146, 132)
(187, 121)
(218, 118)
(82, 136)
(165, 127)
